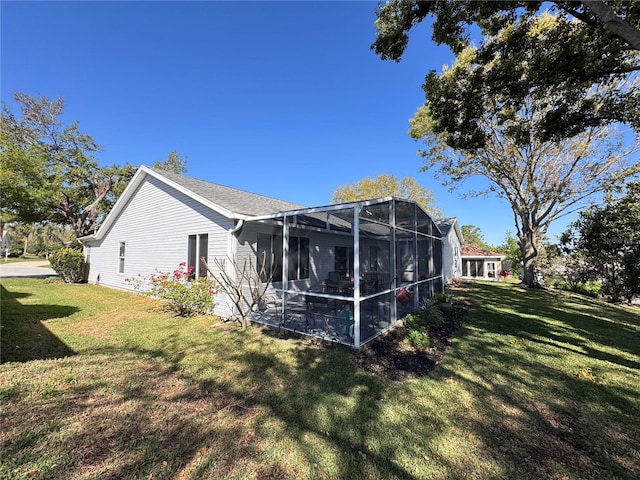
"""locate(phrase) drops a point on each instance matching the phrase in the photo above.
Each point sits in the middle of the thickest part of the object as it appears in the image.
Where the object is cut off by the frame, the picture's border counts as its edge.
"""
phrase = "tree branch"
(613, 23)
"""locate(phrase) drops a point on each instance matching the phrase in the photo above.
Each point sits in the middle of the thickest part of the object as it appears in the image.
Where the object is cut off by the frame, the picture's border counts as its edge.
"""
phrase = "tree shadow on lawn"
(316, 414)
(268, 410)
(548, 420)
(566, 321)
(317, 405)
(24, 334)
(137, 413)
(139, 420)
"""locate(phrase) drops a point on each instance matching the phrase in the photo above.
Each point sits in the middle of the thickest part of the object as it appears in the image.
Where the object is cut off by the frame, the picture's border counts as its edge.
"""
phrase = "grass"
(97, 383)
(28, 258)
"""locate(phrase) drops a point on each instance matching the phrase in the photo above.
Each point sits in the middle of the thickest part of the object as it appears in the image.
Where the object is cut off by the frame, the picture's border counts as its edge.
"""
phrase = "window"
(270, 257)
(197, 254)
(472, 268)
(121, 251)
(344, 261)
(491, 269)
(298, 258)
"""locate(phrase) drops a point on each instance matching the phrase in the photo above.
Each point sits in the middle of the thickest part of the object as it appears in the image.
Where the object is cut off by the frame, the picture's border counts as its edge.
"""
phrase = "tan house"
(478, 263)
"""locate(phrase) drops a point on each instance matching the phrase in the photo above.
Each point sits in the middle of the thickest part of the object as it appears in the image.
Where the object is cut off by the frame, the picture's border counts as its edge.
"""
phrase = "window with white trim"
(198, 254)
(121, 252)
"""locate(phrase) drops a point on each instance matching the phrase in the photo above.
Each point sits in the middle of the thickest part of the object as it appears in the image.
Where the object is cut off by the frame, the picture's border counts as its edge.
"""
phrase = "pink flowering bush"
(181, 293)
(505, 273)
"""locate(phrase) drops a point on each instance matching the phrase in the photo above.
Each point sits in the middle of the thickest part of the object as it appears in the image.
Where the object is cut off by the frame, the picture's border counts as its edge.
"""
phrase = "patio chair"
(332, 283)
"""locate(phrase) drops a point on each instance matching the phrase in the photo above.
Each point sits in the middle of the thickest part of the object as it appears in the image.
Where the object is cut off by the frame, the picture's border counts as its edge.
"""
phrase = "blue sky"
(284, 99)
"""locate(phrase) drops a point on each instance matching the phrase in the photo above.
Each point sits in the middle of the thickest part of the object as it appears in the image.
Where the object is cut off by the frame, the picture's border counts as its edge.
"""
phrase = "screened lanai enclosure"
(346, 272)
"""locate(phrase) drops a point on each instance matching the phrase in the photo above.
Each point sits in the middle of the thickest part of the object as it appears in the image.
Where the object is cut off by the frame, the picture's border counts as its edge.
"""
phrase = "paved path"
(36, 268)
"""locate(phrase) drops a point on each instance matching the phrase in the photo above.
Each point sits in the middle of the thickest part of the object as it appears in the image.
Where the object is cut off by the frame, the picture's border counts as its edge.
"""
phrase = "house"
(346, 272)
(478, 263)
(452, 241)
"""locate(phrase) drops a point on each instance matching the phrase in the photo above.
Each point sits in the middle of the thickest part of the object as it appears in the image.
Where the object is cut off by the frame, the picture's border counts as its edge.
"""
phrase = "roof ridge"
(165, 172)
(233, 199)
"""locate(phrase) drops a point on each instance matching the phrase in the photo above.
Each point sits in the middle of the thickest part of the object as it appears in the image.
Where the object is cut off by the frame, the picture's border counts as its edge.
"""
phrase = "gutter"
(237, 228)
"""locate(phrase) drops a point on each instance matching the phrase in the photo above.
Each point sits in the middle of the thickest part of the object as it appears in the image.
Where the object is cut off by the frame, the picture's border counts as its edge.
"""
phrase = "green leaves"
(388, 186)
(69, 264)
(49, 170)
(608, 238)
(565, 55)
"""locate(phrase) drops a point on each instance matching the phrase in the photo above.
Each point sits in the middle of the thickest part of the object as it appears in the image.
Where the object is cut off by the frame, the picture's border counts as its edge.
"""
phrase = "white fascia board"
(135, 182)
(207, 203)
(117, 208)
(87, 238)
(458, 231)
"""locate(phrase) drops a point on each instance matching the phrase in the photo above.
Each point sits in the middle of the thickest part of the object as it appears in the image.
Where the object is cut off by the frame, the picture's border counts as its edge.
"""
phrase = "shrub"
(590, 288)
(418, 339)
(440, 297)
(429, 315)
(180, 294)
(69, 264)
(421, 322)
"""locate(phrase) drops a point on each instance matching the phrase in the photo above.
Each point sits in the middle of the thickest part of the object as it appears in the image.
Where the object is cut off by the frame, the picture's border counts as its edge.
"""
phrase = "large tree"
(558, 56)
(49, 170)
(607, 238)
(541, 180)
(511, 249)
(473, 236)
(173, 163)
(518, 111)
(388, 186)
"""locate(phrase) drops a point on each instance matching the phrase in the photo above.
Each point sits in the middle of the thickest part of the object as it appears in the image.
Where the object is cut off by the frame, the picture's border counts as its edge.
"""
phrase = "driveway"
(36, 268)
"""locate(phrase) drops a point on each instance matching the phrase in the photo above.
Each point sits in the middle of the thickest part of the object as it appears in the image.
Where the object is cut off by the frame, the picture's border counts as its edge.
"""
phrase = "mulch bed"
(389, 357)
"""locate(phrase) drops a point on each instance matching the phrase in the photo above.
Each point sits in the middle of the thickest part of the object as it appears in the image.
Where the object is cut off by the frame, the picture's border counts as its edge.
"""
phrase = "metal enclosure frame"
(396, 263)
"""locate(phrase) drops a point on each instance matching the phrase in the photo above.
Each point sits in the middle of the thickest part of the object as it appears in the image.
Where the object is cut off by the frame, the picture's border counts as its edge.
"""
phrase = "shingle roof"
(232, 199)
(471, 251)
(445, 224)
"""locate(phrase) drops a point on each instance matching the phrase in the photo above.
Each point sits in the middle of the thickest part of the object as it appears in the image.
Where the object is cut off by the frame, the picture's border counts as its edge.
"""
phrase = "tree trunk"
(529, 248)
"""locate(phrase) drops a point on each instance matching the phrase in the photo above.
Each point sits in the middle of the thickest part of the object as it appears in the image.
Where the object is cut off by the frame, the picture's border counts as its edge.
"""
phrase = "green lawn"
(97, 383)
(28, 258)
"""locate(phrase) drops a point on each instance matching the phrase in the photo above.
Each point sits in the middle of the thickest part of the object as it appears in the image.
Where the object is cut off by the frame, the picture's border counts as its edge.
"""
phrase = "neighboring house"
(452, 241)
(481, 264)
(345, 272)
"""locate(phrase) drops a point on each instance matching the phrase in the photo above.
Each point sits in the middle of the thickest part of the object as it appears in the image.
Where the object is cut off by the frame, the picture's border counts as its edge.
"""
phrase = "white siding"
(155, 226)
(321, 251)
(451, 264)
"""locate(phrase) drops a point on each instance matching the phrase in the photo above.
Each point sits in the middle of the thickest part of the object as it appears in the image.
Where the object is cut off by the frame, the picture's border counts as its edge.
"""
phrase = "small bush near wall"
(180, 293)
(419, 324)
(69, 264)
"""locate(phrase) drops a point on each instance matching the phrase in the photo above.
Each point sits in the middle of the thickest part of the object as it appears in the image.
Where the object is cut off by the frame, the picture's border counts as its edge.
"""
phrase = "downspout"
(238, 227)
(232, 240)
(232, 250)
